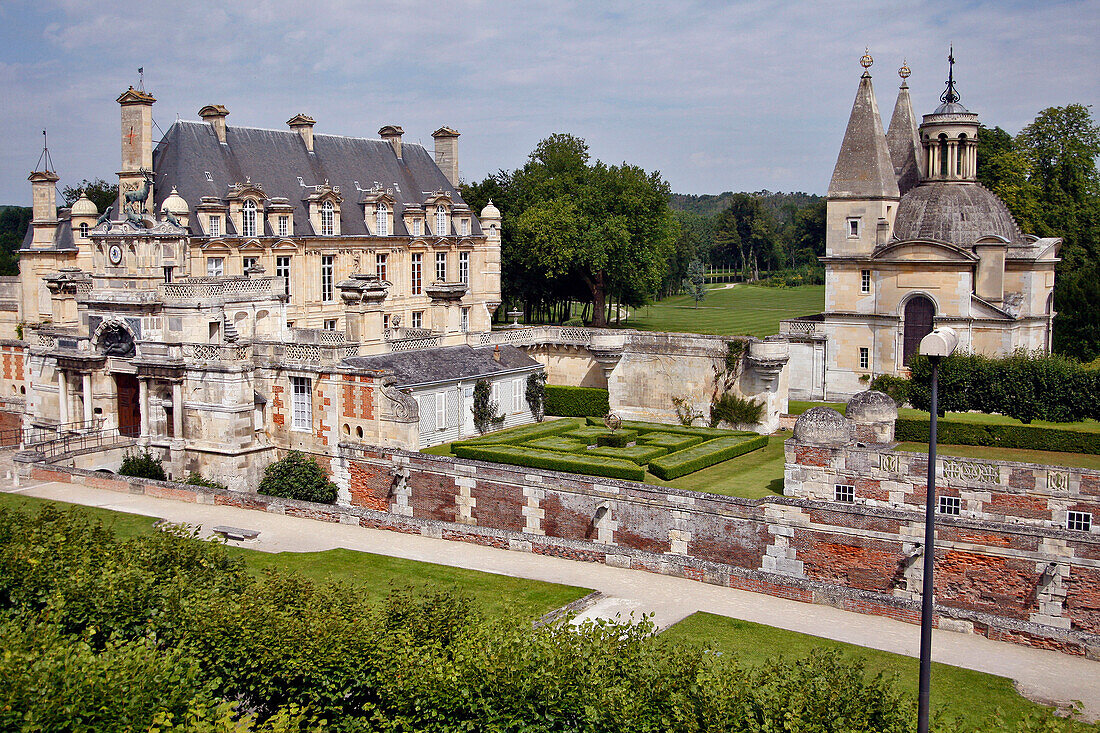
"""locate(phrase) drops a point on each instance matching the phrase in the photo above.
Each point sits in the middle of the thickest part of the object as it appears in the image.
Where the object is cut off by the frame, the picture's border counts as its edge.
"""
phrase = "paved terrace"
(1041, 675)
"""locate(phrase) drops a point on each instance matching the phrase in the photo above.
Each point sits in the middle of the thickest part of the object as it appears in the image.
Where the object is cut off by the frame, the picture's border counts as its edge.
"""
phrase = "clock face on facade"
(115, 253)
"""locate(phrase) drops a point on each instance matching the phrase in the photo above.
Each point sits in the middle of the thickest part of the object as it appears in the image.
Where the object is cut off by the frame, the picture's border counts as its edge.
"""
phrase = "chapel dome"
(490, 211)
(84, 206)
(175, 203)
(956, 213)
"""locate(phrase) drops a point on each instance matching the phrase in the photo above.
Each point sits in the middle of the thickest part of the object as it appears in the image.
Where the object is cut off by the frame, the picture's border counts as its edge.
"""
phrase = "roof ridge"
(292, 132)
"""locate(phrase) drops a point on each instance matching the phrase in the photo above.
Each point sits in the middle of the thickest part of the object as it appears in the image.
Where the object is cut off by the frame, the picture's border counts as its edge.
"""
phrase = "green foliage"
(536, 395)
(734, 410)
(589, 435)
(101, 193)
(617, 438)
(703, 455)
(1023, 386)
(143, 465)
(685, 411)
(297, 476)
(670, 441)
(14, 221)
(576, 401)
(197, 479)
(558, 444)
(570, 463)
(524, 433)
(896, 387)
(485, 408)
(807, 274)
(640, 454)
(649, 427)
(953, 432)
(694, 283)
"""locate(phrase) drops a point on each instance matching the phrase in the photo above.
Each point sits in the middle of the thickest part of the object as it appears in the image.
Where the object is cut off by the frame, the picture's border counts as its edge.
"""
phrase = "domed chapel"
(913, 242)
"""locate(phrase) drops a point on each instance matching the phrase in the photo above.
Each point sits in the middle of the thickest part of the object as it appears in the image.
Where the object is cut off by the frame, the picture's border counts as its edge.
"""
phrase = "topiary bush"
(143, 465)
(298, 477)
(896, 387)
(576, 401)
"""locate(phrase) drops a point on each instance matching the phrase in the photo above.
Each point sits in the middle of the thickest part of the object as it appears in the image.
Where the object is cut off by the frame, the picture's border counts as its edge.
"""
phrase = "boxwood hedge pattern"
(558, 443)
(568, 462)
(1027, 437)
(576, 401)
(640, 454)
(670, 440)
(704, 455)
(617, 439)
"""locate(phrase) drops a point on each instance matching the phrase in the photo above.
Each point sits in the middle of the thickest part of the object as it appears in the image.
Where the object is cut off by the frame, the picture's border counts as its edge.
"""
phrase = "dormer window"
(215, 226)
(382, 220)
(284, 225)
(465, 227)
(328, 219)
(416, 227)
(248, 218)
(440, 221)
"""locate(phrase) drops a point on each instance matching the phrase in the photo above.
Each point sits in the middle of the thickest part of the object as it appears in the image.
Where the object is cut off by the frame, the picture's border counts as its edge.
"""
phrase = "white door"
(468, 411)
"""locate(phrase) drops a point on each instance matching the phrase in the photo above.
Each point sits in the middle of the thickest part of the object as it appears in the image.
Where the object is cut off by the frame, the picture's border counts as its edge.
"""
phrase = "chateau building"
(914, 242)
(228, 306)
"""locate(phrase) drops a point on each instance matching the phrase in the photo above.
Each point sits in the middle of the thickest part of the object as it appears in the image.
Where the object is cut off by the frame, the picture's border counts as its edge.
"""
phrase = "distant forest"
(14, 221)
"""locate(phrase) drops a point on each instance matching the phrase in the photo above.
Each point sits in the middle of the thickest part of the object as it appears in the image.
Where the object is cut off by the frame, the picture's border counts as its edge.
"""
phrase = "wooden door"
(919, 312)
(129, 404)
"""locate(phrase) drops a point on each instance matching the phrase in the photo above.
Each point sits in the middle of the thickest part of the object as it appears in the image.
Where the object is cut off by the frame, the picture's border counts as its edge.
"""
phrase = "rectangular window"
(518, 389)
(844, 492)
(380, 266)
(465, 320)
(951, 505)
(215, 266)
(853, 228)
(327, 266)
(282, 269)
(1079, 521)
(301, 403)
(284, 225)
(441, 411)
(441, 267)
(865, 281)
(416, 227)
(465, 227)
(417, 260)
(168, 273)
(464, 267)
(864, 357)
(385, 321)
(418, 319)
(330, 324)
(215, 226)
(248, 262)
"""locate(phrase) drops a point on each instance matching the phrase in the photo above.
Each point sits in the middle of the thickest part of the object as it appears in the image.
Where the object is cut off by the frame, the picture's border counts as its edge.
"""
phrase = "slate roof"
(863, 168)
(903, 141)
(62, 236)
(274, 159)
(956, 213)
(446, 364)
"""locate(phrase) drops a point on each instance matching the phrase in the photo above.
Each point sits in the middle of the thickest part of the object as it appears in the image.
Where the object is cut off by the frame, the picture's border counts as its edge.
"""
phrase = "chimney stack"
(303, 125)
(392, 134)
(446, 152)
(215, 114)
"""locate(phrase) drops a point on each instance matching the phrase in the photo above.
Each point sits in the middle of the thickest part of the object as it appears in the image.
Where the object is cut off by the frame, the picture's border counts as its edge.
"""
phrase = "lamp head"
(940, 343)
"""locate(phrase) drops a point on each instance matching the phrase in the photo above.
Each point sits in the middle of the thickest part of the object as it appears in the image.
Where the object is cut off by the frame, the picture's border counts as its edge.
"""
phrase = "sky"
(718, 96)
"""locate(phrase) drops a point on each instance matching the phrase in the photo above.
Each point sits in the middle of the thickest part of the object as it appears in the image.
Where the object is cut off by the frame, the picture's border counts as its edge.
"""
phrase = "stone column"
(143, 406)
(62, 397)
(86, 384)
(177, 410)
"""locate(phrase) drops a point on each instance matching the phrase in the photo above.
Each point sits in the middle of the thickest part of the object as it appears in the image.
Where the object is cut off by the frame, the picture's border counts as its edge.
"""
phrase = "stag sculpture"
(135, 200)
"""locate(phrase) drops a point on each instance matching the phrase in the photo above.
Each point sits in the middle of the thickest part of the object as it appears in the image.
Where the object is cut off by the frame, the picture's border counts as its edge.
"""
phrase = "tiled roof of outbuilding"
(445, 364)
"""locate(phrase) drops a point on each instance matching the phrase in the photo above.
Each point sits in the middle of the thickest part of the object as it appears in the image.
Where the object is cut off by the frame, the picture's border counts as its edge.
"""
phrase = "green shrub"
(536, 395)
(558, 444)
(197, 479)
(896, 387)
(652, 427)
(142, 465)
(576, 401)
(485, 408)
(730, 408)
(671, 441)
(640, 454)
(616, 439)
(298, 477)
(523, 433)
(570, 463)
(590, 434)
(1025, 437)
(704, 455)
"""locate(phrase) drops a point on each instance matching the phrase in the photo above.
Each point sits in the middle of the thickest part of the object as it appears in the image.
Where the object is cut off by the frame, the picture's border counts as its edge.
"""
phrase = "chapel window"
(328, 219)
(248, 219)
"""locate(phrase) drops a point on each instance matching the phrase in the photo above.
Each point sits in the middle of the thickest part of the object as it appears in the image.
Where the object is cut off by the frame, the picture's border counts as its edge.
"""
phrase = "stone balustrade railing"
(222, 289)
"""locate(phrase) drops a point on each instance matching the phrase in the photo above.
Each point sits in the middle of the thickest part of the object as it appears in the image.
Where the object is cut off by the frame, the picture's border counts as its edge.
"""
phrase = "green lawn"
(1075, 460)
(971, 696)
(375, 574)
(742, 310)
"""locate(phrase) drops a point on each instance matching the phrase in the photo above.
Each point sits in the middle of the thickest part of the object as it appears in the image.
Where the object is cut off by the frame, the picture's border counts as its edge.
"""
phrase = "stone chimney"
(303, 125)
(215, 114)
(392, 134)
(43, 207)
(446, 152)
(137, 145)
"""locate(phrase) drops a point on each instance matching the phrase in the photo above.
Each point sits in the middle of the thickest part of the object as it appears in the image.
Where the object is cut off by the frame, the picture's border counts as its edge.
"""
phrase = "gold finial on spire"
(904, 71)
(866, 59)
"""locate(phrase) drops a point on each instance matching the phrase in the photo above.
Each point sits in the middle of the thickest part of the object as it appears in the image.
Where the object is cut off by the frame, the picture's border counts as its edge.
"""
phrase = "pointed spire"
(903, 139)
(864, 169)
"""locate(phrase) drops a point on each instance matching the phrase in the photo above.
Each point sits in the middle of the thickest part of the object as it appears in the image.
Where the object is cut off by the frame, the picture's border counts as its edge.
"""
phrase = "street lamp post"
(935, 346)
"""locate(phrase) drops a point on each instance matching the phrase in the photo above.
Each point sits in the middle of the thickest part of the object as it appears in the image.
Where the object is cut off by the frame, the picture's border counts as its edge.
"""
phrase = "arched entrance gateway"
(917, 323)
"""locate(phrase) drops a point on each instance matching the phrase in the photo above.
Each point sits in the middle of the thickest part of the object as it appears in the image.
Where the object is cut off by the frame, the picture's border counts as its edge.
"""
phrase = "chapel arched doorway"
(917, 322)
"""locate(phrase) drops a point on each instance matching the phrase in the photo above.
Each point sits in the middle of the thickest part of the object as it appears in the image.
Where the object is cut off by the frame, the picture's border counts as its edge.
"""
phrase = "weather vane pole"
(950, 95)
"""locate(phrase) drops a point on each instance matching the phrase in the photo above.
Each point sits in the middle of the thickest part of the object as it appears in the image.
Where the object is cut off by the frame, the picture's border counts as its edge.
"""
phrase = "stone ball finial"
(904, 71)
(865, 61)
(822, 426)
(872, 406)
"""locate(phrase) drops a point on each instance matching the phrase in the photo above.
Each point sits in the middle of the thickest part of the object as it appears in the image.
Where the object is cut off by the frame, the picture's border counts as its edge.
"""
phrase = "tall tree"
(695, 282)
(101, 193)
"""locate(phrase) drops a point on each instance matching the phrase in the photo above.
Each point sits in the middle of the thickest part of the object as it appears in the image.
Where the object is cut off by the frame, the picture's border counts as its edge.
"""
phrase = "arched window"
(943, 156)
(328, 217)
(382, 219)
(919, 313)
(84, 229)
(248, 219)
(440, 221)
(960, 155)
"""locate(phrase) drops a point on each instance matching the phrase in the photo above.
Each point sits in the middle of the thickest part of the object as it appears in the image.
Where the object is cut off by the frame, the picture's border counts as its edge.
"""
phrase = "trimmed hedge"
(589, 434)
(558, 444)
(523, 433)
(671, 441)
(617, 439)
(950, 432)
(570, 463)
(649, 427)
(576, 401)
(704, 455)
(640, 454)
